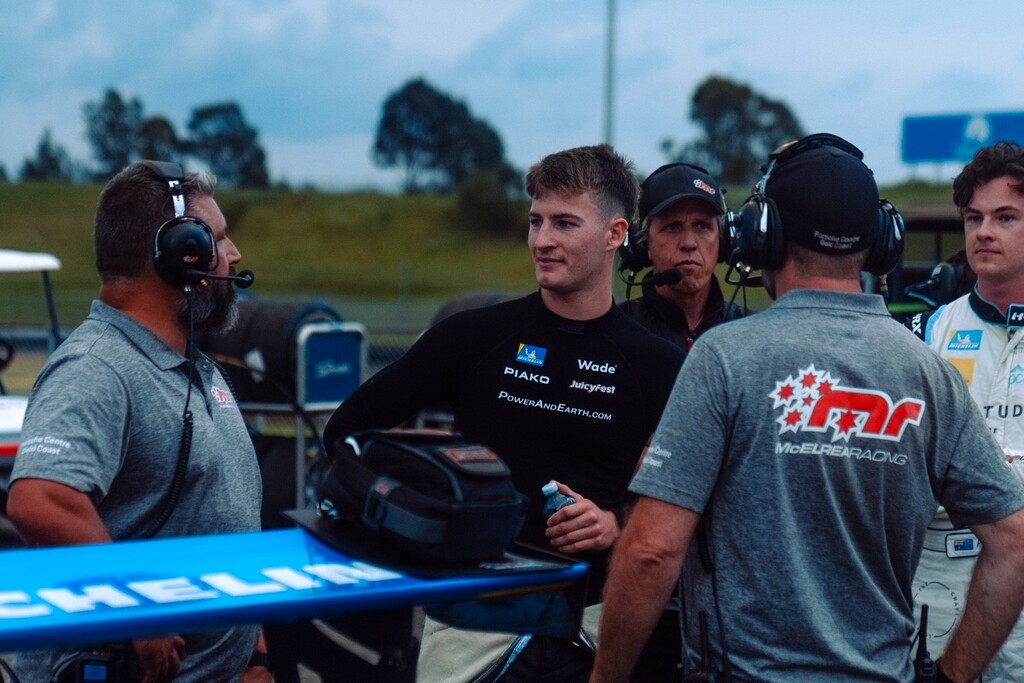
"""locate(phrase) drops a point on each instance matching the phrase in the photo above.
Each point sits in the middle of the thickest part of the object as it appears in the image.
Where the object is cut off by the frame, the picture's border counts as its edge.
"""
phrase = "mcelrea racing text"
(841, 451)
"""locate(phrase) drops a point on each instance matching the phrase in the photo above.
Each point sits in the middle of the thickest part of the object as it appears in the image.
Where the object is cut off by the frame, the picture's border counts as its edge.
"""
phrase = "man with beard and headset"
(109, 402)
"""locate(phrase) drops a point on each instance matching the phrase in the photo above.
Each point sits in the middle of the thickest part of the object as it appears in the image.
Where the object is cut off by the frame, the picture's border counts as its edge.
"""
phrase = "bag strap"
(381, 513)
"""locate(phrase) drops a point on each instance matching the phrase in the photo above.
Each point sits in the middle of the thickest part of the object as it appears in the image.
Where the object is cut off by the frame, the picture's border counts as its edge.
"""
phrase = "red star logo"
(809, 380)
(786, 392)
(793, 417)
(825, 387)
(847, 421)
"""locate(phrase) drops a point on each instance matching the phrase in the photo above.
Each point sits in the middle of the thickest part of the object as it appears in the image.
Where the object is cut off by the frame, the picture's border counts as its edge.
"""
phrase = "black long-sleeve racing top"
(555, 398)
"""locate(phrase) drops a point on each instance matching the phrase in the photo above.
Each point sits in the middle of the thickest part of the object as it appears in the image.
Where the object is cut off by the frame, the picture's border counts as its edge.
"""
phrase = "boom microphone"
(665, 277)
(243, 280)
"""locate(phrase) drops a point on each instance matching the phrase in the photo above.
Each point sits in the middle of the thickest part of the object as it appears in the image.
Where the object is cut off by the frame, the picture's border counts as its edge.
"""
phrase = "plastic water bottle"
(555, 499)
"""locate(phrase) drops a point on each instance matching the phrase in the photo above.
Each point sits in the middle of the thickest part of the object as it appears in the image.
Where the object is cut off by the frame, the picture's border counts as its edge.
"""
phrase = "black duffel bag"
(431, 497)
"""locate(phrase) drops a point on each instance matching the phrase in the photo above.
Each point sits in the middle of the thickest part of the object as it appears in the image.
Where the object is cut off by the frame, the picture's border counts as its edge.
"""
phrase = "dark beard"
(214, 307)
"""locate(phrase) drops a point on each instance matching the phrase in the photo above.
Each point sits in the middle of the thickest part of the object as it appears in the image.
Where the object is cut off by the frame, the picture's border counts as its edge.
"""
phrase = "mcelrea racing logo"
(812, 401)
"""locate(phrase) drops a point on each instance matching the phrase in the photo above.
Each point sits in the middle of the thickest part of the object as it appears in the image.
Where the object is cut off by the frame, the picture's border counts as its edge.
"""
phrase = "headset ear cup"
(887, 249)
(745, 224)
(759, 237)
(725, 244)
(633, 254)
(184, 244)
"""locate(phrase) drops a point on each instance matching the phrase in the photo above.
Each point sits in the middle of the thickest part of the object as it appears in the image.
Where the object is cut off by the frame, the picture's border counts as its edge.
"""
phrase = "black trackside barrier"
(259, 353)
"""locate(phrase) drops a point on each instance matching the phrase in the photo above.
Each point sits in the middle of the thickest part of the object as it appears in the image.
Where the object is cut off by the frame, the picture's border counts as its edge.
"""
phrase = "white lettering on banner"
(177, 589)
(291, 578)
(350, 573)
(88, 599)
(22, 604)
(232, 585)
(7, 611)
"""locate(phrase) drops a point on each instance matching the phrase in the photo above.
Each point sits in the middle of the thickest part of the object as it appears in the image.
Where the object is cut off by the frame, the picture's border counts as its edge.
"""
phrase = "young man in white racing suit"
(982, 335)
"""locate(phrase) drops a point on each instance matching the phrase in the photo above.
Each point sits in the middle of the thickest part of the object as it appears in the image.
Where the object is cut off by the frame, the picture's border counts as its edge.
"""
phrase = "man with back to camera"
(980, 334)
(806, 448)
(503, 367)
(113, 397)
(680, 228)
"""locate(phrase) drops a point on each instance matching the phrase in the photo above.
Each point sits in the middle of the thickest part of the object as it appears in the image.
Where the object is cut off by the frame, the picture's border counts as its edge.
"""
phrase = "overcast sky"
(312, 75)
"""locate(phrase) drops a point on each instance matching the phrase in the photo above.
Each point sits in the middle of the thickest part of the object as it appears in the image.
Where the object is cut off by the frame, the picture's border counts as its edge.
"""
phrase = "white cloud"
(313, 74)
(435, 33)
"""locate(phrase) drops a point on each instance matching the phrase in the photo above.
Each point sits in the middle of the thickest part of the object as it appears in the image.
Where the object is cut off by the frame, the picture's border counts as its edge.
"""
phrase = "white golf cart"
(12, 407)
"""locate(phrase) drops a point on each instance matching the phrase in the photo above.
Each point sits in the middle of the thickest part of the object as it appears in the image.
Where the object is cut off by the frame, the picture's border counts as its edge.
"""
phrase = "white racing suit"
(974, 336)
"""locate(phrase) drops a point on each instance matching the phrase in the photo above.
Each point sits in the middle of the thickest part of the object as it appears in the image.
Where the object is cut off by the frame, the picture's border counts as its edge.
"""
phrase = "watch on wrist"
(259, 659)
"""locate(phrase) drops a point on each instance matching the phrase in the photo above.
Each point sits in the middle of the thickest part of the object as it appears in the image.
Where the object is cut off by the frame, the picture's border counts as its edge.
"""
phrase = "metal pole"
(609, 73)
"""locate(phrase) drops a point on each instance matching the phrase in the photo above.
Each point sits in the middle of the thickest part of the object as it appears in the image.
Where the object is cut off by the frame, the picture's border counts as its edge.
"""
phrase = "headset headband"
(173, 173)
(794, 148)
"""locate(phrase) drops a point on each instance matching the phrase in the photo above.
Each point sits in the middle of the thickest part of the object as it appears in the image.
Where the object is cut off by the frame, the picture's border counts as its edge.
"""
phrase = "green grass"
(301, 245)
(384, 258)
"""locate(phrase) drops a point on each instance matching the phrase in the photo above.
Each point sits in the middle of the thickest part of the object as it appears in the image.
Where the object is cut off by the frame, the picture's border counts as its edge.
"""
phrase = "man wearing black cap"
(805, 449)
(680, 228)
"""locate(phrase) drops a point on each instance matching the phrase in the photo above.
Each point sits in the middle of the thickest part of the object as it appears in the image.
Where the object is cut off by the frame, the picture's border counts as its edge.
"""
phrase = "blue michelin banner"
(956, 137)
(82, 594)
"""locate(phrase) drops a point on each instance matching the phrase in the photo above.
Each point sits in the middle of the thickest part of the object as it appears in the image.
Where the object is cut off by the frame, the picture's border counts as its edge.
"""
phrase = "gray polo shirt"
(105, 417)
(817, 438)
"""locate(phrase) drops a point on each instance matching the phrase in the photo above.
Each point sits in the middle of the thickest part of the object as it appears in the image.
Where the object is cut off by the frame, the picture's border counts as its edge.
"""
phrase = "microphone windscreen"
(245, 279)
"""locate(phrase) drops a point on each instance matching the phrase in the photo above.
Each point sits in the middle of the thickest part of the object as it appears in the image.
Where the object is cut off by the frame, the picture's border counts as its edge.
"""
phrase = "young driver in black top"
(561, 384)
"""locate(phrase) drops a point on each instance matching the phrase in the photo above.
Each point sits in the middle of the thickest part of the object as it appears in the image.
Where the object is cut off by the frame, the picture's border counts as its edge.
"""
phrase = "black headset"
(185, 249)
(633, 254)
(759, 234)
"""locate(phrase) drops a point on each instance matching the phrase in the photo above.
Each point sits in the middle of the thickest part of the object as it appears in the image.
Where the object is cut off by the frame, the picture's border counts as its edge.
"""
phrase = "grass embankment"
(305, 245)
(364, 249)
(387, 261)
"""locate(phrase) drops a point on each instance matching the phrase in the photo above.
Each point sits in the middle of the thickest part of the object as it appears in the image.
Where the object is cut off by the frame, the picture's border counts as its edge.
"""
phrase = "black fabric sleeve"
(422, 377)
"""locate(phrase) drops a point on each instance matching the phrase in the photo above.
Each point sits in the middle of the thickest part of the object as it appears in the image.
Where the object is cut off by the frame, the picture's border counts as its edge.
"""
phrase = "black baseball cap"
(826, 197)
(674, 182)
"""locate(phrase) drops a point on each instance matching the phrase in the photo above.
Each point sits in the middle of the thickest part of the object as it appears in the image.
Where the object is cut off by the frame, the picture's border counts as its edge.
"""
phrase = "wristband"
(258, 659)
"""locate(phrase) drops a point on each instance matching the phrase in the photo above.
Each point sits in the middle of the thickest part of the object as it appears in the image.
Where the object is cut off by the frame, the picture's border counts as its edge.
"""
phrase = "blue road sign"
(956, 137)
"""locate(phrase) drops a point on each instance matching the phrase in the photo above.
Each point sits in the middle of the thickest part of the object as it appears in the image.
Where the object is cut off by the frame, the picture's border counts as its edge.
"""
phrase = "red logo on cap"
(701, 185)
